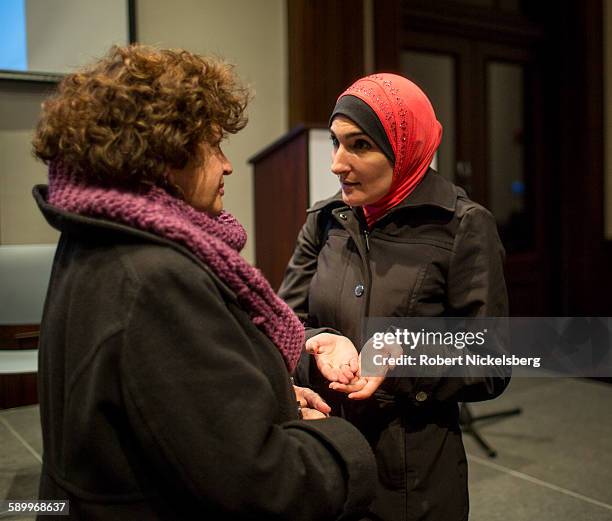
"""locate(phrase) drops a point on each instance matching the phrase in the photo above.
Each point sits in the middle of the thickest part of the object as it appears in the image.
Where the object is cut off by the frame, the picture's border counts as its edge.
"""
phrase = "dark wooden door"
(488, 97)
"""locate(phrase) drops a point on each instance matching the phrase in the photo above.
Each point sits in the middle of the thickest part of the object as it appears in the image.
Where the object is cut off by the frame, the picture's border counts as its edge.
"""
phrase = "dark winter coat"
(435, 254)
(161, 400)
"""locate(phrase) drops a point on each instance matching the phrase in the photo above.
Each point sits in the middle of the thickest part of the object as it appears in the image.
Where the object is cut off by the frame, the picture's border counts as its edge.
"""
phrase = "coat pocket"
(404, 275)
(390, 452)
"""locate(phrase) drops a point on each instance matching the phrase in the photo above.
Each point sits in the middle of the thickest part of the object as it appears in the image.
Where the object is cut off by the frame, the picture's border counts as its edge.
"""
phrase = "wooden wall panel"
(18, 390)
(325, 55)
(577, 84)
(387, 35)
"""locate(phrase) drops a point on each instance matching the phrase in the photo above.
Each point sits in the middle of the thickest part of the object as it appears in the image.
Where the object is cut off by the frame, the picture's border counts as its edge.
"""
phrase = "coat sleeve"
(294, 291)
(205, 413)
(476, 285)
(301, 268)
(475, 288)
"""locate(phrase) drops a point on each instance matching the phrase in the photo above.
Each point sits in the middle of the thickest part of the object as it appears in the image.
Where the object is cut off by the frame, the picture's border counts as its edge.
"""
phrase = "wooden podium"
(290, 175)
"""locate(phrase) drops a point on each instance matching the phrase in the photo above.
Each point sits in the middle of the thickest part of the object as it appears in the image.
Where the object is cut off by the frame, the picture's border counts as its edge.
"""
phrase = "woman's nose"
(227, 165)
(227, 168)
(339, 164)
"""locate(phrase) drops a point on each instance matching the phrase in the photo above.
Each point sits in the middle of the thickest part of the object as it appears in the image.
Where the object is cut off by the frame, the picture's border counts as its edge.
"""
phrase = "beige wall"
(20, 220)
(63, 34)
(608, 116)
(250, 34)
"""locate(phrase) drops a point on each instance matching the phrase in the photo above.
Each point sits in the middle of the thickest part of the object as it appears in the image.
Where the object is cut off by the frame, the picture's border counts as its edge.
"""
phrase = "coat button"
(359, 289)
(342, 216)
(421, 396)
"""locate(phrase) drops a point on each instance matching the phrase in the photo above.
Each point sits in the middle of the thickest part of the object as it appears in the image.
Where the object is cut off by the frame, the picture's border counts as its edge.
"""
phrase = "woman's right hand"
(308, 399)
(312, 414)
(336, 357)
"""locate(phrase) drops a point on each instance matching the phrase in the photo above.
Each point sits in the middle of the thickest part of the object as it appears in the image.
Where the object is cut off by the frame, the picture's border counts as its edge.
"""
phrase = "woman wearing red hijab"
(397, 240)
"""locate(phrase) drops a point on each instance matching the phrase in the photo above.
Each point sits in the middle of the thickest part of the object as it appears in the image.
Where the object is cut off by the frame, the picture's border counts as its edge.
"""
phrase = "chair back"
(25, 270)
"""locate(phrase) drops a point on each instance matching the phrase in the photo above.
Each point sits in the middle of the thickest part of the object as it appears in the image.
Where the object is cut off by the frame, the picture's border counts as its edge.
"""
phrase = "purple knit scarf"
(216, 241)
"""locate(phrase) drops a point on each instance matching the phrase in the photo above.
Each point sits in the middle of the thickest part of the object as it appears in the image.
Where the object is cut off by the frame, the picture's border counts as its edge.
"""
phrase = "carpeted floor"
(554, 460)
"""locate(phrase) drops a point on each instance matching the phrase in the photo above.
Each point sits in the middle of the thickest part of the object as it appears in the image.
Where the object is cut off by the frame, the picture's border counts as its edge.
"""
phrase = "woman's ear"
(172, 184)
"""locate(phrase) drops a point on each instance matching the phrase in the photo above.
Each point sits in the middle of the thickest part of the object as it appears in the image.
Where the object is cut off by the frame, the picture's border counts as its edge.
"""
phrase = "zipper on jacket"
(363, 227)
(366, 235)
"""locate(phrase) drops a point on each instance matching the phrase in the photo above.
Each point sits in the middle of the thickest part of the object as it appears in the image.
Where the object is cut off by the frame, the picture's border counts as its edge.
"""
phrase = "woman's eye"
(334, 141)
(362, 144)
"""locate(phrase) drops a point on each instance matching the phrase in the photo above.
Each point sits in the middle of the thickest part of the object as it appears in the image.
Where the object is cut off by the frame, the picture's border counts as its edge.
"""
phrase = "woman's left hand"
(310, 400)
(369, 376)
(360, 388)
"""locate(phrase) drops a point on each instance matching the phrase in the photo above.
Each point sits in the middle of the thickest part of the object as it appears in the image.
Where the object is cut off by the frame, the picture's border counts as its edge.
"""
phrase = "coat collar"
(433, 190)
(80, 225)
(75, 224)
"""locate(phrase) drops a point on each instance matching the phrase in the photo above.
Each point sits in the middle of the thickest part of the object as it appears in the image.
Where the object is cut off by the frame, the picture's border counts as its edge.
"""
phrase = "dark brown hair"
(139, 112)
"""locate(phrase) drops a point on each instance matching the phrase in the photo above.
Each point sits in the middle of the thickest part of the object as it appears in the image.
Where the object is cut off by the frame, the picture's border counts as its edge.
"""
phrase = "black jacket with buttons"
(435, 254)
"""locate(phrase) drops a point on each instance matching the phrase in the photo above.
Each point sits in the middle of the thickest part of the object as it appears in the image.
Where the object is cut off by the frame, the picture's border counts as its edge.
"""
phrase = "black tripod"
(467, 421)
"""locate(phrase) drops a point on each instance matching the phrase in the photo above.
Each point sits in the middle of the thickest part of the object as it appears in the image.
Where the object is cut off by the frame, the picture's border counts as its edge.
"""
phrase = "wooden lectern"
(290, 175)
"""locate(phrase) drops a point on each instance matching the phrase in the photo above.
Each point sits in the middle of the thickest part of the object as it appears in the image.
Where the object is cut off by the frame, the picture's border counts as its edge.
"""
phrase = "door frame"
(473, 38)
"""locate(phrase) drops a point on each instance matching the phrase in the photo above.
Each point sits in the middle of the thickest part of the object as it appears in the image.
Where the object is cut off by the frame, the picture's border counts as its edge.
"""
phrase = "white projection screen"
(44, 39)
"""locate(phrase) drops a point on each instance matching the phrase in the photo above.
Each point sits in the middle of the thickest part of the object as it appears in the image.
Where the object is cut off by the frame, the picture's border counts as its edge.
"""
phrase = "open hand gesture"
(335, 355)
(367, 381)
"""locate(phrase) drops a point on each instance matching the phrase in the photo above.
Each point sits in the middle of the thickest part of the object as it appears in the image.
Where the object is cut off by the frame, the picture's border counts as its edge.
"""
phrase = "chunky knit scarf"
(216, 241)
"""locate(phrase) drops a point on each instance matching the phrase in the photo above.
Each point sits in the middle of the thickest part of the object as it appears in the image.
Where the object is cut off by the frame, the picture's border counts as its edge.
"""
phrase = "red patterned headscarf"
(411, 127)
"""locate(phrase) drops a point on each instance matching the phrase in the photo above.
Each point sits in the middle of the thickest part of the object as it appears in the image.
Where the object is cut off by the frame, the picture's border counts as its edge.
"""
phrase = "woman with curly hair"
(164, 356)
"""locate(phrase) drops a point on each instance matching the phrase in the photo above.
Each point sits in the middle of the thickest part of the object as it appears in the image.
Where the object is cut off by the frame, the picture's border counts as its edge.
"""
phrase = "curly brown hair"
(139, 112)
